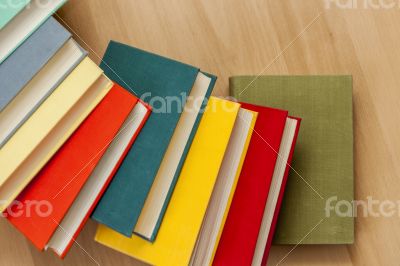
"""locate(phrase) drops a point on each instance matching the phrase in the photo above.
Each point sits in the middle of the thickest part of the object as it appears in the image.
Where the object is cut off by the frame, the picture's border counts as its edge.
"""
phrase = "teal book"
(156, 203)
(137, 197)
(9, 9)
(322, 176)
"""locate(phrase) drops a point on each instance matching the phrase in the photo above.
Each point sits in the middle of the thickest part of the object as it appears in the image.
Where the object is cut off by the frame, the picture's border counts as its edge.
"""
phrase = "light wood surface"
(232, 37)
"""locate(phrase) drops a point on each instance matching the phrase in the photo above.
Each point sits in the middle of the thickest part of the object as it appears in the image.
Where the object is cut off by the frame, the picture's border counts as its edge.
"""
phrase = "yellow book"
(182, 221)
(37, 140)
(251, 124)
(224, 189)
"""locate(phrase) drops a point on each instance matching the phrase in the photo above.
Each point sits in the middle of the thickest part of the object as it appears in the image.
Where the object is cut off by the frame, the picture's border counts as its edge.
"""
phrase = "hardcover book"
(24, 24)
(177, 237)
(9, 10)
(39, 88)
(23, 156)
(60, 181)
(239, 236)
(78, 214)
(276, 191)
(224, 188)
(30, 58)
(159, 195)
(324, 157)
(153, 162)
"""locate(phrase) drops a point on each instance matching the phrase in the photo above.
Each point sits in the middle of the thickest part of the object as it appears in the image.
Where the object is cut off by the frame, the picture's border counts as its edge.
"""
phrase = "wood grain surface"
(232, 37)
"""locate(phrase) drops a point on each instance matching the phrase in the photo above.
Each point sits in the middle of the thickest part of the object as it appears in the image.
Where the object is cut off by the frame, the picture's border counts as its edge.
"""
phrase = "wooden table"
(232, 37)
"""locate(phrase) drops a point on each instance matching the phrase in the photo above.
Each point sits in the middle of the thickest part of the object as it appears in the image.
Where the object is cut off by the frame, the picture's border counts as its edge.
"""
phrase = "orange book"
(40, 208)
(79, 212)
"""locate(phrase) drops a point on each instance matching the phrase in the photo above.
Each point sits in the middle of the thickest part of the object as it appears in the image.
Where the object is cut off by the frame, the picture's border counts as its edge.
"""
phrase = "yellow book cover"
(47, 129)
(224, 189)
(182, 222)
(252, 123)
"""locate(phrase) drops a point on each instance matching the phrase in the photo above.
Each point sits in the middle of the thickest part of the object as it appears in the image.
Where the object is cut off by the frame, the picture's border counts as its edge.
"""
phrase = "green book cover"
(9, 9)
(323, 157)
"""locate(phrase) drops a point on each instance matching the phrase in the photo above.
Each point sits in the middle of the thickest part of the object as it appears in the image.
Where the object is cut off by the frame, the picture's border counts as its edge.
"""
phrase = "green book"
(9, 9)
(323, 157)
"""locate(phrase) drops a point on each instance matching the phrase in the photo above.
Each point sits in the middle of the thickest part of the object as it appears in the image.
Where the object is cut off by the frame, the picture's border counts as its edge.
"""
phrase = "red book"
(242, 242)
(281, 192)
(83, 206)
(40, 208)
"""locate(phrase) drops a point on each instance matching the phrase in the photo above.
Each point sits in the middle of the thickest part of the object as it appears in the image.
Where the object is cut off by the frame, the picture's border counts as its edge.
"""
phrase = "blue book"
(29, 58)
(24, 24)
(137, 197)
(36, 91)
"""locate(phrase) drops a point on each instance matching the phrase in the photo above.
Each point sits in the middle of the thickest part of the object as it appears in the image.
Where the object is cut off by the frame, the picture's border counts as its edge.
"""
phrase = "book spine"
(178, 171)
(281, 194)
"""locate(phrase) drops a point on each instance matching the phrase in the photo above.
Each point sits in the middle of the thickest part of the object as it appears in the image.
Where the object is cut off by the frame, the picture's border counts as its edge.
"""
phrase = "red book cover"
(240, 233)
(59, 182)
(104, 187)
(281, 193)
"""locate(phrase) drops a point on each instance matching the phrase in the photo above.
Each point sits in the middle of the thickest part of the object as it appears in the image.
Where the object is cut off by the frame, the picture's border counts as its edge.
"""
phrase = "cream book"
(49, 127)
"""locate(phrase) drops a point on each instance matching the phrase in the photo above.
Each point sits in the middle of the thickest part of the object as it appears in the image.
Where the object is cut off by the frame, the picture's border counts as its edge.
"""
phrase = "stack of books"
(65, 127)
(172, 175)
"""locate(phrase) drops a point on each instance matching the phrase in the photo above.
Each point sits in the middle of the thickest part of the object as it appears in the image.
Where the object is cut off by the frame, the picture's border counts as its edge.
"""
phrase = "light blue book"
(39, 88)
(29, 58)
(9, 9)
(25, 24)
(32, 73)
